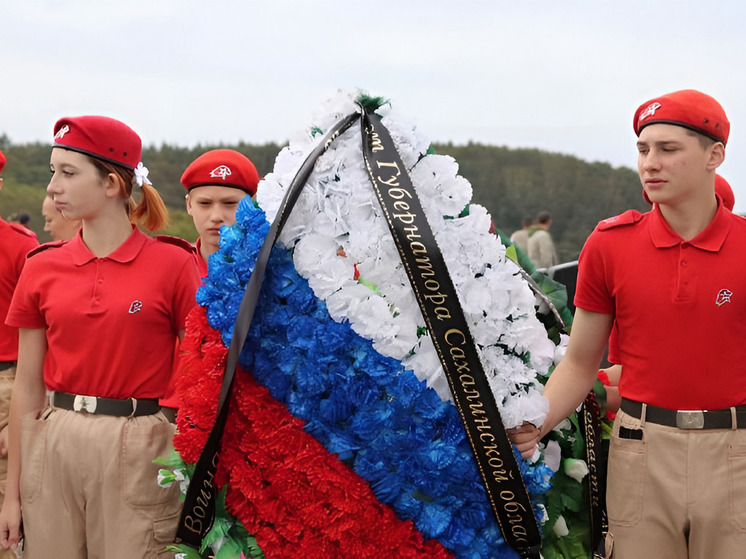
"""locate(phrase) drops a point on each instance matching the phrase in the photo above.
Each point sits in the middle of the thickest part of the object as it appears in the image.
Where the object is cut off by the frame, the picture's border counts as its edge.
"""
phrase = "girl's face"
(76, 186)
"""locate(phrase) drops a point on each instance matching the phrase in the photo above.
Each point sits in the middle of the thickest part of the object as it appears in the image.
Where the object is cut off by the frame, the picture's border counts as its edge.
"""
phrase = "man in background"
(541, 249)
(520, 238)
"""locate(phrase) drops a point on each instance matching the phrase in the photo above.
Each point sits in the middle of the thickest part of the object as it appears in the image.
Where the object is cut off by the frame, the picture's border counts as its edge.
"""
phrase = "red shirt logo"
(723, 297)
(136, 306)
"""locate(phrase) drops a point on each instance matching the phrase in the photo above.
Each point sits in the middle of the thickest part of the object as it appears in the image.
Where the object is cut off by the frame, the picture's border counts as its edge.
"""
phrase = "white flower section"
(559, 351)
(337, 228)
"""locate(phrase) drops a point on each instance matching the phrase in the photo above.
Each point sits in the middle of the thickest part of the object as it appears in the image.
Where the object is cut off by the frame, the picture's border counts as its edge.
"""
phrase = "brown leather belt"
(726, 418)
(130, 407)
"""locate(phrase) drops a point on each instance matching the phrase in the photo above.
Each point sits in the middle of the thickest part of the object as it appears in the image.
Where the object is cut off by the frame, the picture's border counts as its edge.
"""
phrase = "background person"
(22, 218)
(670, 280)
(105, 309)
(15, 242)
(57, 225)
(216, 182)
(520, 237)
(541, 248)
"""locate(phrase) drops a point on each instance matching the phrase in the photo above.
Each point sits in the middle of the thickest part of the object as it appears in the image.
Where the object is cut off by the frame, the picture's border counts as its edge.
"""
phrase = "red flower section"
(200, 372)
(296, 498)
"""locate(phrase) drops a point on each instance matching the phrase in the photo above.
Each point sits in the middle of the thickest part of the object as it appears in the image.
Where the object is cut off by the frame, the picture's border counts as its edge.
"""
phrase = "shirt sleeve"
(187, 282)
(592, 292)
(25, 311)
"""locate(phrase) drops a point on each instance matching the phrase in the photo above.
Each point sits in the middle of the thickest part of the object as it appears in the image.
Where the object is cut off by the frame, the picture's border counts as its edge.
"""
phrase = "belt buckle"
(690, 419)
(85, 403)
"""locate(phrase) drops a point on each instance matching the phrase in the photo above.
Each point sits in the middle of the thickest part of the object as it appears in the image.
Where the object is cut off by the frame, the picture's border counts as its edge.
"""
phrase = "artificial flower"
(342, 426)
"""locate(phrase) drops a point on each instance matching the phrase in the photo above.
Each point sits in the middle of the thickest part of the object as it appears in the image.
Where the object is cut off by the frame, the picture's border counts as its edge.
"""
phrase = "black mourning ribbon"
(594, 456)
(440, 307)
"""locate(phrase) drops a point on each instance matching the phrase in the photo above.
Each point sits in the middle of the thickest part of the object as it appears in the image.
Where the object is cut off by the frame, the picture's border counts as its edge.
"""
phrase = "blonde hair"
(151, 211)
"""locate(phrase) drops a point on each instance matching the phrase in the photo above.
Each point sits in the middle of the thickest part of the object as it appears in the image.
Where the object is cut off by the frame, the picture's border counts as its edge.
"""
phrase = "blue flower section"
(393, 431)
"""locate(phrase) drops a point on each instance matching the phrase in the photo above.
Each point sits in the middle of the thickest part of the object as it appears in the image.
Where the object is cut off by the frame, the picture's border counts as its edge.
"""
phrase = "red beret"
(3, 161)
(688, 108)
(722, 188)
(222, 167)
(100, 137)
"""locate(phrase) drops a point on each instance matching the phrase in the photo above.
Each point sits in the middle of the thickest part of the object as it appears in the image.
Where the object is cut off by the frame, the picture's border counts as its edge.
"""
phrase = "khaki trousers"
(89, 488)
(6, 391)
(676, 493)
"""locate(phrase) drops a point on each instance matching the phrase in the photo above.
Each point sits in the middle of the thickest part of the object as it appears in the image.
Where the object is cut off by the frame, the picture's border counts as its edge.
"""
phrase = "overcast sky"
(557, 75)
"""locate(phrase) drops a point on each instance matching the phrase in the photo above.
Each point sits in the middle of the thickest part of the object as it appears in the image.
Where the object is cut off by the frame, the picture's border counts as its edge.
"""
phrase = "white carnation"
(337, 226)
(576, 469)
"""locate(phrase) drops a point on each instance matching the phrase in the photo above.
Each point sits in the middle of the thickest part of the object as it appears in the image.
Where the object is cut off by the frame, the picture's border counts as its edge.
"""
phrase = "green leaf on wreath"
(555, 290)
(369, 103)
(511, 253)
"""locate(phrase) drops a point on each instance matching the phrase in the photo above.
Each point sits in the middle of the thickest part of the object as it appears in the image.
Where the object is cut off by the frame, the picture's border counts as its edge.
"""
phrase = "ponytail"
(151, 211)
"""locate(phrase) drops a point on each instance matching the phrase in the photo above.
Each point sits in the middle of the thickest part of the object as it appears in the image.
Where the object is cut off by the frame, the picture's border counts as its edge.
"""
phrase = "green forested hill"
(510, 183)
(27, 174)
(517, 183)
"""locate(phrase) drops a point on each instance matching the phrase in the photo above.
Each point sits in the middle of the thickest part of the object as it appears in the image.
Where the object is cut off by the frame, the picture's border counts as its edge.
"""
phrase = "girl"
(99, 317)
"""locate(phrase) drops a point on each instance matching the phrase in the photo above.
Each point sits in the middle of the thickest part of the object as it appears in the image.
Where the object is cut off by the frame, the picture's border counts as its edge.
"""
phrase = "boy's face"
(673, 164)
(211, 207)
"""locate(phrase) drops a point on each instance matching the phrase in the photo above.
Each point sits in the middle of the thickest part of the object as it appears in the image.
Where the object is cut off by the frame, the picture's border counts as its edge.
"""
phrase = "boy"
(216, 182)
(672, 280)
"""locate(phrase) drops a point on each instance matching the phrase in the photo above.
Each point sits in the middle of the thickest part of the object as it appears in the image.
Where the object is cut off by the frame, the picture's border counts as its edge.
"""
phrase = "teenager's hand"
(525, 438)
(10, 523)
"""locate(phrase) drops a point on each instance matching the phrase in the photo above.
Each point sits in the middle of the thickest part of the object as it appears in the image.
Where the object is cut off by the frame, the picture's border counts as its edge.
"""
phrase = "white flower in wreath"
(576, 469)
(560, 527)
(338, 209)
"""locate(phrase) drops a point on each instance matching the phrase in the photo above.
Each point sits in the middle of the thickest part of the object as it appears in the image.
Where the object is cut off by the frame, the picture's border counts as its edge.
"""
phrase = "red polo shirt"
(680, 307)
(15, 242)
(171, 399)
(201, 263)
(111, 322)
